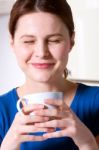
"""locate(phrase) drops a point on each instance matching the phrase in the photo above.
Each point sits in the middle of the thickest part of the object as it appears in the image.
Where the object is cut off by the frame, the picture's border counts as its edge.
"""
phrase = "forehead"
(40, 22)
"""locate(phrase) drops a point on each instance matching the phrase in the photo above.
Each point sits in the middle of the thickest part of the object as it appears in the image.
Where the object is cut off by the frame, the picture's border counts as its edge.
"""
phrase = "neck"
(35, 87)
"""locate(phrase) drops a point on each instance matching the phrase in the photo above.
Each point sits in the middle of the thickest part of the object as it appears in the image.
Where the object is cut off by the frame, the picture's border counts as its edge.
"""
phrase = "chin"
(44, 75)
(42, 78)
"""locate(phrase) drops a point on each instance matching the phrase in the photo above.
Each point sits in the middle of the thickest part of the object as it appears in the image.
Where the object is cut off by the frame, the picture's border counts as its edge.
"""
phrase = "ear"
(72, 40)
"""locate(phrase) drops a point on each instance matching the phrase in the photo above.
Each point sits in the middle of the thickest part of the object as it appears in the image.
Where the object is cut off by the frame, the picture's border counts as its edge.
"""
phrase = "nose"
(41, 49)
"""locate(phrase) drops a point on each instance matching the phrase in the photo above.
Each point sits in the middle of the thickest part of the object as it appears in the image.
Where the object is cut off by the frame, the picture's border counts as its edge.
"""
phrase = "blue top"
(85, 104)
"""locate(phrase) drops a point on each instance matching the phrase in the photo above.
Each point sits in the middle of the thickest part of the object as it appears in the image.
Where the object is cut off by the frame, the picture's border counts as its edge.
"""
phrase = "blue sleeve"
(96, 114)
(7, 111)
(2, 124)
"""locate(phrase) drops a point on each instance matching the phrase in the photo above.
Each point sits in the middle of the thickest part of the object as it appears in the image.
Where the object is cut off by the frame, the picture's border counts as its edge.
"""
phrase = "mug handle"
(18, 105)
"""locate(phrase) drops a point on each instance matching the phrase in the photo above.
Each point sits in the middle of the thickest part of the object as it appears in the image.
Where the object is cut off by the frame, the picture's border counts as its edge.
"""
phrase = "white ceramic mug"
(38, 98)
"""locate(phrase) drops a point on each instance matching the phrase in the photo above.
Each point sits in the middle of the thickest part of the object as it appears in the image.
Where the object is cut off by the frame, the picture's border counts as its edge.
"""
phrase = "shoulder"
(8, 98)
(8, 106)
(8, 94)
(89, 93)
(88, 89)
(86, 101)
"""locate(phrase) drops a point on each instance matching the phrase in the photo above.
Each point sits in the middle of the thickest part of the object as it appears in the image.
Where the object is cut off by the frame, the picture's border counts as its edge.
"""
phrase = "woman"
(42, 35)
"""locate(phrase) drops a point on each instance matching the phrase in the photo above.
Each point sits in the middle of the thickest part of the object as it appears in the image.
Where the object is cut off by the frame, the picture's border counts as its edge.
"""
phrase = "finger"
(60, 104)
(56, 134)
(53, 124)
(29, 119)
(27, 138)
(30, 108)
(54, 113)
(26, 129)
(47, 112)
(55, 102)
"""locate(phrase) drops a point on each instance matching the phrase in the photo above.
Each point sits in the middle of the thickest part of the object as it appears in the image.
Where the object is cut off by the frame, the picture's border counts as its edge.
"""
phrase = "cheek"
(22, 53)
(61, 53)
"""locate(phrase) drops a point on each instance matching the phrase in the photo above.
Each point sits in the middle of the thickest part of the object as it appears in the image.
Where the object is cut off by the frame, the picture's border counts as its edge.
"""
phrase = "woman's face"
(41, 45)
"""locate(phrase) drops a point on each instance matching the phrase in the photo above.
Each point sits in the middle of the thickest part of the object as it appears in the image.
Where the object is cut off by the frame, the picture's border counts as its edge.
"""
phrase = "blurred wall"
(10, 74)
(84, 59)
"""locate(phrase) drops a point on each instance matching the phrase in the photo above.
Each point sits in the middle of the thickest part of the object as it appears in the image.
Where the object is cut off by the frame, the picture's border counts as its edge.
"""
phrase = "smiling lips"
(43, 65)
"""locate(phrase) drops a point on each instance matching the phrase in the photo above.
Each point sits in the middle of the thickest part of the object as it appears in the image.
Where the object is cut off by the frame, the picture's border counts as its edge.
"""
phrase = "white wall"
(10, 74)
(84, 58)
(83, 62)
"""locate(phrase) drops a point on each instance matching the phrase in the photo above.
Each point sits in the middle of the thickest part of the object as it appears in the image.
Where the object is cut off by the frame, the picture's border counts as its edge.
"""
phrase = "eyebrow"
(48, 36)
(55, 34)
(26, 35)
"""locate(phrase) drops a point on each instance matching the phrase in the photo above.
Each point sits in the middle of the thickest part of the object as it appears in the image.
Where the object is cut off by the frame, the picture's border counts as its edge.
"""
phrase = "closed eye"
(29, 42)
(54, 41)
